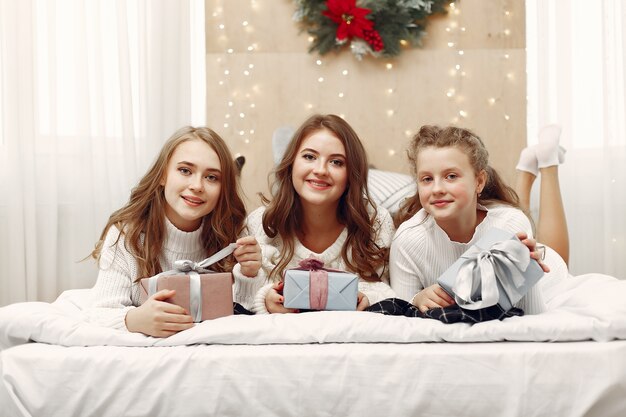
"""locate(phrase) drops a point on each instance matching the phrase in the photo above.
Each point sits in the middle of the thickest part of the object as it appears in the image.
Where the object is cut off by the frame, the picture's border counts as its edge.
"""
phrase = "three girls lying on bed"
(187, 206)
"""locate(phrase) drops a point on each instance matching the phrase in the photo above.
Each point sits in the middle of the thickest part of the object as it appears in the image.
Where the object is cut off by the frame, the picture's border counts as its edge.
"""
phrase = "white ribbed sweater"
(375, 291)
(421, 251)
(116, 291)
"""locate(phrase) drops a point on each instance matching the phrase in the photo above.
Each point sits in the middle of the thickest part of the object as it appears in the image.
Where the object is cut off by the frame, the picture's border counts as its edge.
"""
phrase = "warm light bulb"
(389, 66)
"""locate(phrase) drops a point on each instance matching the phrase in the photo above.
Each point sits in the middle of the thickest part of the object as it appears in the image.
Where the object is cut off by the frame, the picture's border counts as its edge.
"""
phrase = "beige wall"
(485, 39)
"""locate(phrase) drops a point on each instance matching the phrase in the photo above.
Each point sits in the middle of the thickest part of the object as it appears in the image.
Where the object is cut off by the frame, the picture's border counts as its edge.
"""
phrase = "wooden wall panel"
(470, 72)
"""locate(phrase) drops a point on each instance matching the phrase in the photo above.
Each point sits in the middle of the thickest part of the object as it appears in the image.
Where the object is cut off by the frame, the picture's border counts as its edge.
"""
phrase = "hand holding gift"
(432, 297)
(248, 255)
(158, 318)
(274, 300)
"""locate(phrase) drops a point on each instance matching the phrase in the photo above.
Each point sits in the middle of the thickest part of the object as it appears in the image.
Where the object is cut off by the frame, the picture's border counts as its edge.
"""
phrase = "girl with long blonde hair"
(187, 206)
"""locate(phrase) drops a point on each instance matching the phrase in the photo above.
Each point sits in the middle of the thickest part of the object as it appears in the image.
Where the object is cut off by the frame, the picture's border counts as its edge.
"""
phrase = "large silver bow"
(504, 262)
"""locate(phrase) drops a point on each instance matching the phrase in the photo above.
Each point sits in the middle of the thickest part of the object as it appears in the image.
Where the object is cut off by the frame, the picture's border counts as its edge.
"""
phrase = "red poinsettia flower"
(351, 19)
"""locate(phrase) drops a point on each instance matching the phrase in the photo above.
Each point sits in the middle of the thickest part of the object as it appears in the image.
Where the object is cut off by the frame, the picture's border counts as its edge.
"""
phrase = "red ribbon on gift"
(318, 282)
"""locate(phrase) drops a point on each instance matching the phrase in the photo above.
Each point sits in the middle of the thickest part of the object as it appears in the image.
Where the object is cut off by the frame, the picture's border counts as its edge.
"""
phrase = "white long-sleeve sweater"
(375, 291)
(116, 290)
(421, 251)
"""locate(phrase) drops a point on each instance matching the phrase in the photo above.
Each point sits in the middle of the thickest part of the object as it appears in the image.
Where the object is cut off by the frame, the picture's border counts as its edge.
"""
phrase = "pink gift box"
(213, 298)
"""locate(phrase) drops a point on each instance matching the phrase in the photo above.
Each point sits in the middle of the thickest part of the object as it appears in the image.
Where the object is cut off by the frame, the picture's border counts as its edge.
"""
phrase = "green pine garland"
(394, 20)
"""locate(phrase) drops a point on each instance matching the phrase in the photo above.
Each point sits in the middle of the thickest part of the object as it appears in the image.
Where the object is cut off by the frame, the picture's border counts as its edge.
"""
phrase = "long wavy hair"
(143, 217)
(283, 214)
(495, 190)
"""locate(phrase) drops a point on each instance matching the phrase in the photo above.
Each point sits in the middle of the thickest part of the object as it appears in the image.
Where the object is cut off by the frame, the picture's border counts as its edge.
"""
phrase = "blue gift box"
(342, 290)
(498, 260)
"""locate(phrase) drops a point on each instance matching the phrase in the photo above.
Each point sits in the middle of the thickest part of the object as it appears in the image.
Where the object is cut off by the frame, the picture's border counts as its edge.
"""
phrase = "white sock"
(528, 161)
(562, 152)
(548, 147)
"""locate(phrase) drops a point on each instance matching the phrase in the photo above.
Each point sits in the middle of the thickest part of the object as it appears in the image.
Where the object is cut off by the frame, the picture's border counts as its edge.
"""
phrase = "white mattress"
(331, 363)
(426, 379)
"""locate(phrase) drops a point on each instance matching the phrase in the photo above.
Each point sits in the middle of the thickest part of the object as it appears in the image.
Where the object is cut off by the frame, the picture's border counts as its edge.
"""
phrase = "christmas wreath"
(376, 27)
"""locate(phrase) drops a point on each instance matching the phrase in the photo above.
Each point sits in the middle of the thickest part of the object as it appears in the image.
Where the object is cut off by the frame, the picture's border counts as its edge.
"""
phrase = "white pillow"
(389, 189)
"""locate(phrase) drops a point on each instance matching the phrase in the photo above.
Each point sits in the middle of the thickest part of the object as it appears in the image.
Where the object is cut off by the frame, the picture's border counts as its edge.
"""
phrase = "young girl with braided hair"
(460, 198)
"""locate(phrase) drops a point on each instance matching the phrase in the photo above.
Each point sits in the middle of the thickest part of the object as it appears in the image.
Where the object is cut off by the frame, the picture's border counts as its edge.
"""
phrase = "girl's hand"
(157, 318)
(432, 297)
(248, 254)
(362, 302)
(532, 247)
(274, 300)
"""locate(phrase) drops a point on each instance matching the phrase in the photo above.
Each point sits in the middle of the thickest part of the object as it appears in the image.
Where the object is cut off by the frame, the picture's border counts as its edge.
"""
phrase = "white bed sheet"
(586, 307)
(426, 379)
(330, 363)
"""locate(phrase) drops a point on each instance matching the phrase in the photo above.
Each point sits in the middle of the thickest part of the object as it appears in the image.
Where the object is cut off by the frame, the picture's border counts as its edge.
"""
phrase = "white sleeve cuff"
(259, 300)
(245, 288)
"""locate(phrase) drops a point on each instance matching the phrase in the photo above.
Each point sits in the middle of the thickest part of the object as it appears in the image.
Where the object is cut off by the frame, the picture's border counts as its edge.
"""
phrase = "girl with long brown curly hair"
(320, 207)
(187, 206)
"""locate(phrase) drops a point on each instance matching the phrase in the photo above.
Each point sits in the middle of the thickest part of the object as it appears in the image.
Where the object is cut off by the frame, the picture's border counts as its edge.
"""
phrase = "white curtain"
(89, 90)
(576, 77)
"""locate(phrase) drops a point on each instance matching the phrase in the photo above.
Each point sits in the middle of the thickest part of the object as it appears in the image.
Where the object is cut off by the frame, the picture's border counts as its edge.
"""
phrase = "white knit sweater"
(116, 290)
(421, 251)
(375, 291)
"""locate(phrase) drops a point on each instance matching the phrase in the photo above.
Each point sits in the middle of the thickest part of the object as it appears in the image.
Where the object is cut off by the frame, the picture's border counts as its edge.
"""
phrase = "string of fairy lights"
(458, 73)
(239, 119)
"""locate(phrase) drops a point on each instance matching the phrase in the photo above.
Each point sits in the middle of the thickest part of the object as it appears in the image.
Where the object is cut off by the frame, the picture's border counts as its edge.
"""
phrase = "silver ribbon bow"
(504, 262)
(193, 269)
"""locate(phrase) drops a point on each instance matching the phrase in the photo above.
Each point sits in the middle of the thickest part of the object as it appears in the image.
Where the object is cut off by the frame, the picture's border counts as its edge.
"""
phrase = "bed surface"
(330, 363)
